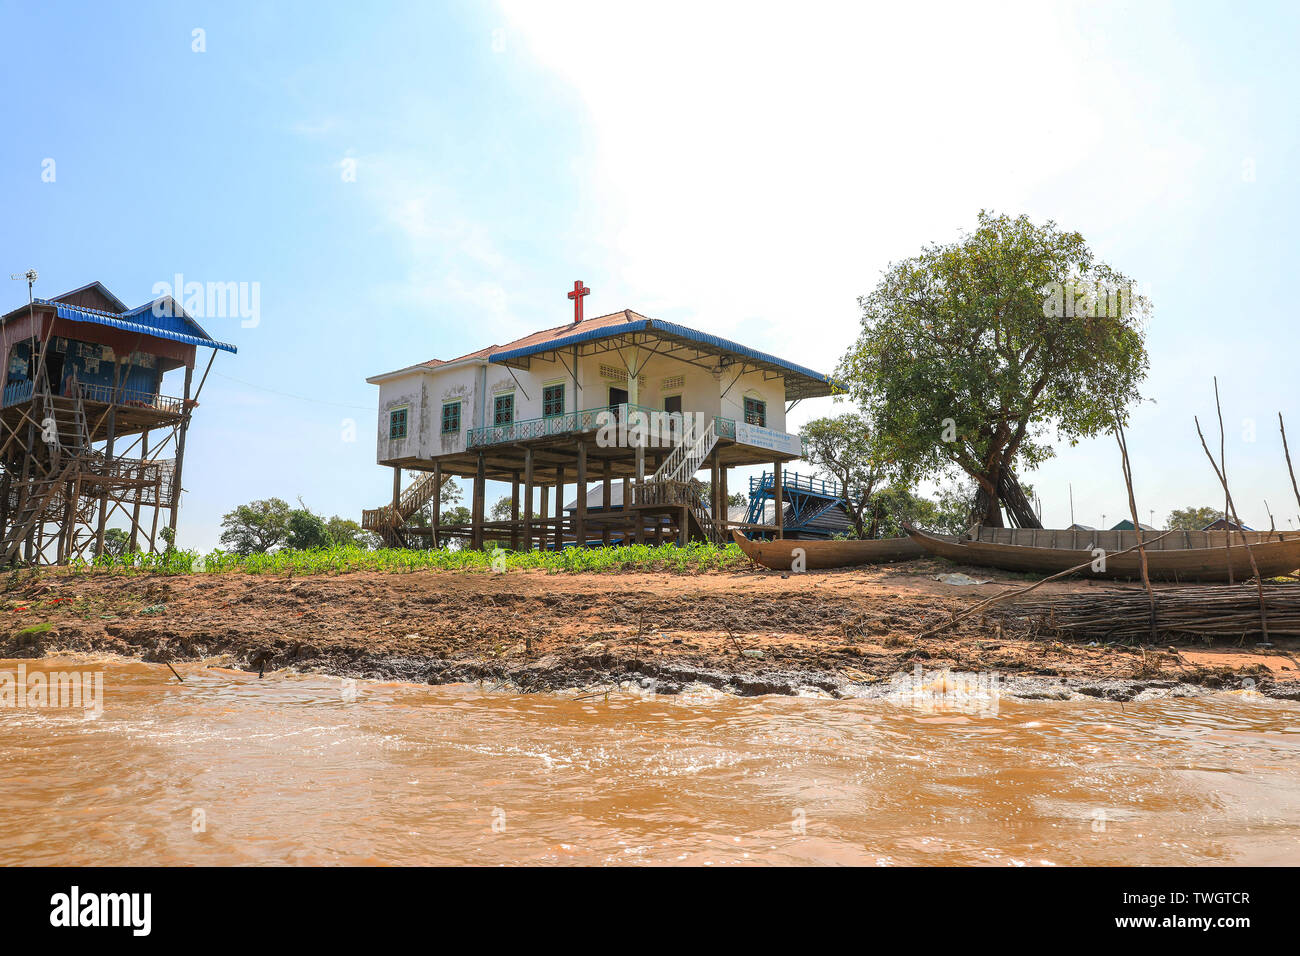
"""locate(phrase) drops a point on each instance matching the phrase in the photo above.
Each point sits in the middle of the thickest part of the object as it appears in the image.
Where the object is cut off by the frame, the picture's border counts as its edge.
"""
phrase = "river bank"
(839, 633)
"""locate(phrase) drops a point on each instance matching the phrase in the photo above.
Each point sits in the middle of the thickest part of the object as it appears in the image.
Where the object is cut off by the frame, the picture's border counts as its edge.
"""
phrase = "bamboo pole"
(1259, 581)
(1137, 525)
(1291, 471)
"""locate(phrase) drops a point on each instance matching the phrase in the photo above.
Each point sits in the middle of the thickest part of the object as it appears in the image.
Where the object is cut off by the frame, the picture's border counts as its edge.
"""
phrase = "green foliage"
(343, 531)
(846, 448)
(1192, 519)
(694, 558)
(116, 541)
(305, 531)
(258, 526)
(501, 510)
(963, 359)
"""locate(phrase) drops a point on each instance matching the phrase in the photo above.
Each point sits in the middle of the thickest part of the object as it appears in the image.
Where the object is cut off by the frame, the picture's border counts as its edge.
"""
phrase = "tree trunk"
(987, 509)
(1013, 497)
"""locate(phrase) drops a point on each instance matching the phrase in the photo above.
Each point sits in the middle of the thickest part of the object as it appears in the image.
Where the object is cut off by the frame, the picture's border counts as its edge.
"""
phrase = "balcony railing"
(130, 397)
(16, 393)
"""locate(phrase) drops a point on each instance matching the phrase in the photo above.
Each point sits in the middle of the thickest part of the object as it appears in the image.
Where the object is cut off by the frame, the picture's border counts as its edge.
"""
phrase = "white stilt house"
(619, 397)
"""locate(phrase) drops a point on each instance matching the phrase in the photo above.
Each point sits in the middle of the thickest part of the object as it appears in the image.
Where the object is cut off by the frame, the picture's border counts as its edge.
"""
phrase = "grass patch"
(692, 559)
(36, 628)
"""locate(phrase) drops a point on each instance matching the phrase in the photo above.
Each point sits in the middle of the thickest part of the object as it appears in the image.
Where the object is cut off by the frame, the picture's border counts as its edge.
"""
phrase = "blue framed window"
(503, 409)
(397, 424)
(756, 412)
(553, 400)
(450, 417)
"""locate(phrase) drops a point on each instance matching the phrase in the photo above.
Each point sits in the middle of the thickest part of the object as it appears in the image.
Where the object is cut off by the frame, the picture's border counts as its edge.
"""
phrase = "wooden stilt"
(134, 543)
(559, 508)
(514, 511)
(580, 502)
(606, 501)
(108, 465)
(543, 532)
(180, 451)
(726, 498)
(476, 511)
(528, 499)
(778, 496)
(435, 518)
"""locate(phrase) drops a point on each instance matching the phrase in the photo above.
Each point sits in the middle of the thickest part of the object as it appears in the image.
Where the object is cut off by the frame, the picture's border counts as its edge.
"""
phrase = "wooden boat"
(820, 555)
(1180, 556)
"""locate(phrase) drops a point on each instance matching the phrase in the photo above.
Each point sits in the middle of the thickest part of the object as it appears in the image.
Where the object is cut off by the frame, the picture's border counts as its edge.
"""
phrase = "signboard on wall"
(768, 438)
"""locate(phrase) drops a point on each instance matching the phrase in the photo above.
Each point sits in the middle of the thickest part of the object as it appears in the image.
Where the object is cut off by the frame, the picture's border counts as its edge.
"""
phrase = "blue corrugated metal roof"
(160, 326)
(668, 328)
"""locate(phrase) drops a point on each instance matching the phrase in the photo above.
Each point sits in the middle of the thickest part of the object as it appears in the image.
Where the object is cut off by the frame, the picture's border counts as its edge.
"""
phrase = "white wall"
(476, 384)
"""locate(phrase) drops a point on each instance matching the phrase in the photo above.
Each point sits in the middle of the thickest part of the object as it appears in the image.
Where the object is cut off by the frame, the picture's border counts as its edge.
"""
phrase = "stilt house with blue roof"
(91, 433)
(615, 398)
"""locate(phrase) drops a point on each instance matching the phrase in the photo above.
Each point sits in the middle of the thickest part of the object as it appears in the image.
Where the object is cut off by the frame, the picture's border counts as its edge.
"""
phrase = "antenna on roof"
(31, 277)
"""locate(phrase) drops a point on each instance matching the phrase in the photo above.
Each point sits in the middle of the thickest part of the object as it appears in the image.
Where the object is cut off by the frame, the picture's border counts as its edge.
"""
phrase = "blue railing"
(16, 392)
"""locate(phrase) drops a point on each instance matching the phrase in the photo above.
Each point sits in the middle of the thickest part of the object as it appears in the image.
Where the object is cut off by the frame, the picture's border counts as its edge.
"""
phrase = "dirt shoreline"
(840, 633)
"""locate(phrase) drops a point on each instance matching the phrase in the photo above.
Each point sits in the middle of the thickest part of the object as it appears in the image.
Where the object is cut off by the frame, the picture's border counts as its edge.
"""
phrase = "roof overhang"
(683, 344)
(94, 316)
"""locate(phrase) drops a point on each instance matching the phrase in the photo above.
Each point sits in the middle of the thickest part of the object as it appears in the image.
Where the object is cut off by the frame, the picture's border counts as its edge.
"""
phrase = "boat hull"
(1182, 556)
(823, 555)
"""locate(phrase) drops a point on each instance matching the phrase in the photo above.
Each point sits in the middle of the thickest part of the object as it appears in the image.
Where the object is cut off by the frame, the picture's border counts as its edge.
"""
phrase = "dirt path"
(747, 632)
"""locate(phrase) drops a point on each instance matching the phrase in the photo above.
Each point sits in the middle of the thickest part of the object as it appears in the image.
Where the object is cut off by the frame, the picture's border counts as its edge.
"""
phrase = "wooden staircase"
(388, 524)
(673, 485)
(34, 502)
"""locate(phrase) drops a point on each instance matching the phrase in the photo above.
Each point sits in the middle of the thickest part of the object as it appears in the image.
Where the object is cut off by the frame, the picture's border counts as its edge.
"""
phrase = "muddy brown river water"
(298, 769)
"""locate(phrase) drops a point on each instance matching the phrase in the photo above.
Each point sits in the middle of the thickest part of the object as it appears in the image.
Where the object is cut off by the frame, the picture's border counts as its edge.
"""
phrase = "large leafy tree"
(846, 448)
(973, 353)
(257, 526)
(1193, 519)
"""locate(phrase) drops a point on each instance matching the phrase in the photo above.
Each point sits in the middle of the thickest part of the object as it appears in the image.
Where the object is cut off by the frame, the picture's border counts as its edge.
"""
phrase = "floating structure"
(85, 425)
(615, 398)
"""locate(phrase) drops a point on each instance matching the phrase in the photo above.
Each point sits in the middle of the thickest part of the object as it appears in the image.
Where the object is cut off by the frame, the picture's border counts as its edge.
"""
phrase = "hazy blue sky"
(743, 169)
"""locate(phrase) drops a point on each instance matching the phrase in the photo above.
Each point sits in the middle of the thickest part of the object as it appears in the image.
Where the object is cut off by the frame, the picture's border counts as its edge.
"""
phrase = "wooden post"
(559, 508)
(684, 528)
(528, 498)
(722, 483)
(108, 467)
(715, 506)
(778, 496)
(436, 516)
(476, 513)
(606, 501)
(514, 510)
(543, 532)
(580, 511)
(180, 451)
(139, 491)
